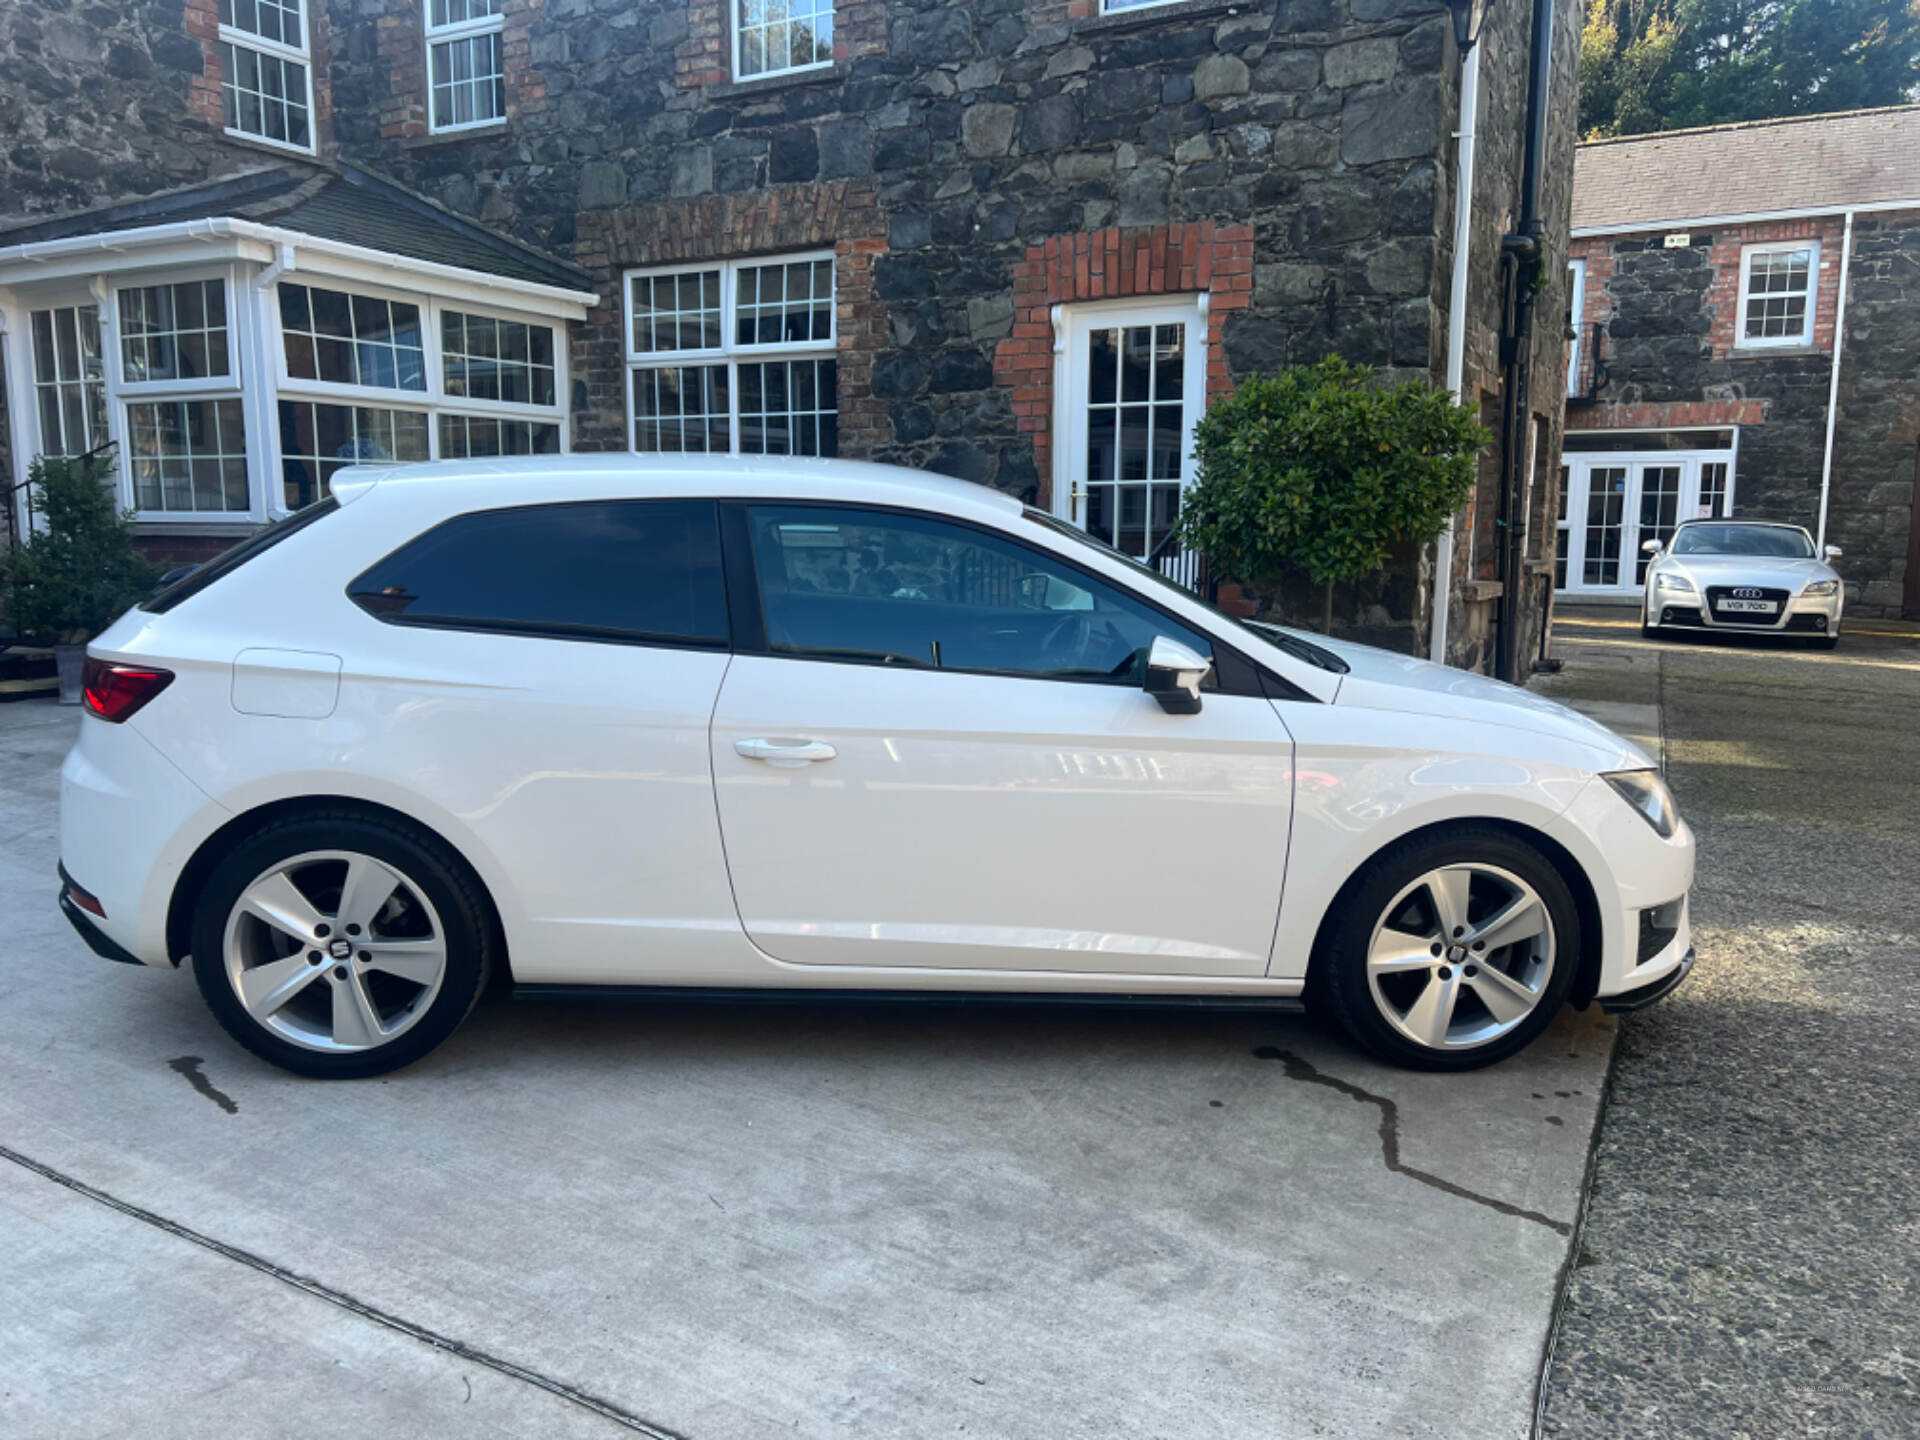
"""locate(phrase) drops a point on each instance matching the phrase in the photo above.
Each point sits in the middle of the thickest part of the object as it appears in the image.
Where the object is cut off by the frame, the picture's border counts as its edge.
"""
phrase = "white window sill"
(267, 142)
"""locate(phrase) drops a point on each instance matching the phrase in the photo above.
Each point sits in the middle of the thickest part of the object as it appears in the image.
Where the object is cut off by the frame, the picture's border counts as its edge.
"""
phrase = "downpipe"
(1521, 254)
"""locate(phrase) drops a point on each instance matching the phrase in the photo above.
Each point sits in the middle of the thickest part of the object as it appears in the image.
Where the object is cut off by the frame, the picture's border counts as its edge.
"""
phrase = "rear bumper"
(1642, 996)
(97, 941)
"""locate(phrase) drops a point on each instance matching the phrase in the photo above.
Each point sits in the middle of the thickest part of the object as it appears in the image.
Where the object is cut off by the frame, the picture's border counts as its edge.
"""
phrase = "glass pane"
(857, 585)
(1136, 360)
(645, 568)
(1102, 366)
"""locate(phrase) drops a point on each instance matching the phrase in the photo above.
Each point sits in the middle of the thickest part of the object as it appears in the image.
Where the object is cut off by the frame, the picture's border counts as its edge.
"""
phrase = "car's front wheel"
(341, 946)
(1452, 951)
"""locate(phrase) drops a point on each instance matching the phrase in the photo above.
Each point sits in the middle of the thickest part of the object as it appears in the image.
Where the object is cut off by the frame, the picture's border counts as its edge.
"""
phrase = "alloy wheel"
(1461, 956)
(335, 950)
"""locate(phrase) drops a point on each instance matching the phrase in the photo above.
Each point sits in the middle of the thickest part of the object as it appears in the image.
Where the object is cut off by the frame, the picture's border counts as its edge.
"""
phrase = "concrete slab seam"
(605, 1408)
(1299, 1069)
(1564, 1282)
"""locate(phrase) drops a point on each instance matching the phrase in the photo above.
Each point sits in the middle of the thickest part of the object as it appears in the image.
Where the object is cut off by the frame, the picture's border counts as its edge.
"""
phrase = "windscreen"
(1781, 542)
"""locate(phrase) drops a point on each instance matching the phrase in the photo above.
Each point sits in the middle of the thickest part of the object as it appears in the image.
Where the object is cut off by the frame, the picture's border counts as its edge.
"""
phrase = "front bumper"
(1653, 991)
(1798, 615)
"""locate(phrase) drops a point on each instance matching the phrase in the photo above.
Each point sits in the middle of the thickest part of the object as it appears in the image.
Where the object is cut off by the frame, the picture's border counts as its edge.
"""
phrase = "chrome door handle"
(785, 753)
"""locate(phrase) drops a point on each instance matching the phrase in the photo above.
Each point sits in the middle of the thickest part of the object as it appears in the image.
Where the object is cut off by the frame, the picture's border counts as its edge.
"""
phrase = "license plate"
(1748, 607)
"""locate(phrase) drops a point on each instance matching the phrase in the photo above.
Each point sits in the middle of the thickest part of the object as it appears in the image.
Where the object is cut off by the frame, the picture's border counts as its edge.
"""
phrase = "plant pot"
(70, 661)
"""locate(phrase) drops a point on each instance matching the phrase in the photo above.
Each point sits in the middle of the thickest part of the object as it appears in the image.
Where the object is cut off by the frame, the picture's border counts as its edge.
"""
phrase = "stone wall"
(102, 103)
(1668, 317)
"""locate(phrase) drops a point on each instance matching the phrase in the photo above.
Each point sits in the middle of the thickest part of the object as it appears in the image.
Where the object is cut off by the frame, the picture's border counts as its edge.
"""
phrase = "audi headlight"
(1665, 581)
(1821, 587)
(1647, 793)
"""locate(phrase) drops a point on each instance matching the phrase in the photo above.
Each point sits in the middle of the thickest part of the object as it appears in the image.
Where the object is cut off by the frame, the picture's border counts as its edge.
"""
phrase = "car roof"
(1734, 520)
(531, 478)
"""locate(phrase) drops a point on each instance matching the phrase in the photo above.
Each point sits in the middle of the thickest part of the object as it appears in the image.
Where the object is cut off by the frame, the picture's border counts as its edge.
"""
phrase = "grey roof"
(1815, 162)
(344, 204)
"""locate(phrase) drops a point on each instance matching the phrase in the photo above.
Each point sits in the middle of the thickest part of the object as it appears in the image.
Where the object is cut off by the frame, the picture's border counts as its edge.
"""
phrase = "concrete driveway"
(716, 1222)
(1751, 1255)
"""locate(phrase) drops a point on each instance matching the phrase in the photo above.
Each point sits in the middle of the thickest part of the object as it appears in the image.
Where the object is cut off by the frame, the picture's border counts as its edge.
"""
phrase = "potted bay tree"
(71, 579)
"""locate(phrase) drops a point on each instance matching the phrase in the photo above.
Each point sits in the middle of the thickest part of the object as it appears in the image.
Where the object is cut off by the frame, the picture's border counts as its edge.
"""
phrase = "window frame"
(1748, 253)
(433, 401)
(123, 393)
(302, 55)
(494, 24)
(736, 24)
(1233, 672)
(1129, 7)
(728, 352)
(34, 386)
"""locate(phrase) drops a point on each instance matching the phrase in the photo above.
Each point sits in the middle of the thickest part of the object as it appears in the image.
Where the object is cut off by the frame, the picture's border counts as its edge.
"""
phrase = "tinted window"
(904, 590)
(619, 569)
(1776, 541)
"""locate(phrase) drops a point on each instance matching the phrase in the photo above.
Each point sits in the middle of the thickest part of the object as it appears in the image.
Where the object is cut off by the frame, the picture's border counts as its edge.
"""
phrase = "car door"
(544, 678)
(936, 752)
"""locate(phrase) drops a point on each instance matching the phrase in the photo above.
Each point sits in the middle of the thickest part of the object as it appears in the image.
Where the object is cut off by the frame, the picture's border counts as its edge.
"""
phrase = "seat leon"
(747, 725)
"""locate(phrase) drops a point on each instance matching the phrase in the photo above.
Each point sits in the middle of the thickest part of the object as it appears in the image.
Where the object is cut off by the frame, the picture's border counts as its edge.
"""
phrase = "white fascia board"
(189, 241)
(1755, 217)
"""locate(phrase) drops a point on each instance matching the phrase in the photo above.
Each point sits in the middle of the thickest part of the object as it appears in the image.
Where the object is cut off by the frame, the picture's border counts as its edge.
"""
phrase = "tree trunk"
(1326, 615)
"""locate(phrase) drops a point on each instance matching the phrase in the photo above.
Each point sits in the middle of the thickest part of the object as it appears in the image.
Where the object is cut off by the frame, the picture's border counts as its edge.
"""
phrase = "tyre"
(340, 946)
(1827, 642)
(1451, 951)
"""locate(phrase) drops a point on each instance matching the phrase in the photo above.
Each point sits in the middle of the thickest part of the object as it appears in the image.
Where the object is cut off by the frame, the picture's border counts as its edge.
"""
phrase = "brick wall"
(1112, 264)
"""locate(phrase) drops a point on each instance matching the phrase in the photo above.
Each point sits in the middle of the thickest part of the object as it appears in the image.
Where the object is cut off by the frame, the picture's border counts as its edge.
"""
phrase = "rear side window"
(632, 570)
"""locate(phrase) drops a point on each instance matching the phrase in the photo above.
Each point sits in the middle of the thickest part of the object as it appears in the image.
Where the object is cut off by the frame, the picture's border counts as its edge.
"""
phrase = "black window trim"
(1240, 675)
(535, 630)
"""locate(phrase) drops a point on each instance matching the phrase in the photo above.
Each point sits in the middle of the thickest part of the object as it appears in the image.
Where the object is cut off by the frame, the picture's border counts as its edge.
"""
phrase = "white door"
(943, 758)
(1613, 503)
(1132, 387)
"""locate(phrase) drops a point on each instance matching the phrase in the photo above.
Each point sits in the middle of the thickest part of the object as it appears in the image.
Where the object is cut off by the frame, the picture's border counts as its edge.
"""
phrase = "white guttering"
(1456, 328)
(1752, 217)
(1833, 379)
(574, 304)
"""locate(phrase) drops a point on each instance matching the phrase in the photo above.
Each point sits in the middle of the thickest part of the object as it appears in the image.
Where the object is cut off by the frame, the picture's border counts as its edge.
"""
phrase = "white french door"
(1611, 503)
(1129, 387)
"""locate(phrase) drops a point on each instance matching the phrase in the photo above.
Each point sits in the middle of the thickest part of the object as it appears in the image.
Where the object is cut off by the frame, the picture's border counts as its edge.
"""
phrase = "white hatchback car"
(741, 725)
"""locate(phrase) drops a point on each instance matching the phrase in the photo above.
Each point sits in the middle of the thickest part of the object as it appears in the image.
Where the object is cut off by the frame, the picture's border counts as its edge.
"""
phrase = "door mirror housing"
(1651, 547)
(1833, 552)
(1174, 675)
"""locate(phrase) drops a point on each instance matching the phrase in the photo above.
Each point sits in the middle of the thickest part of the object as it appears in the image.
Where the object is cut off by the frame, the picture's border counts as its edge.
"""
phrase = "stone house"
(1747, 301)
(1017, 241)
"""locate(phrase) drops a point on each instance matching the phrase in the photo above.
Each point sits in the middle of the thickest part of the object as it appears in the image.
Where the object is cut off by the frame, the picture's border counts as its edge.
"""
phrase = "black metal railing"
(1586, 364)
(1186, 568)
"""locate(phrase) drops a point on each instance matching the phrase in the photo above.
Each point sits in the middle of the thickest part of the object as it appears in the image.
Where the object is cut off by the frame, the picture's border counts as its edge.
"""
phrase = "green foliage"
(1648, 65)
(1321, 468)
(71, 580)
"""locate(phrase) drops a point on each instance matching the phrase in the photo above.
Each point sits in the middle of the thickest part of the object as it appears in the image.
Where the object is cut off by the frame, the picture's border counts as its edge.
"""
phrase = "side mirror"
(1174, 674)
(1833, 552)
(1651, 547)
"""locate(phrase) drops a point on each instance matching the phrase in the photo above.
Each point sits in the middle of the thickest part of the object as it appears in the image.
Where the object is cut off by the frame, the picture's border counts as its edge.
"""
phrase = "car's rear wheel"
(1452, 951)
(340, 946)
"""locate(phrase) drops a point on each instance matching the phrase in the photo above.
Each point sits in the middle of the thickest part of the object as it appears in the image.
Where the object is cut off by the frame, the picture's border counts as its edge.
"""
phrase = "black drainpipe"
(1521, 255)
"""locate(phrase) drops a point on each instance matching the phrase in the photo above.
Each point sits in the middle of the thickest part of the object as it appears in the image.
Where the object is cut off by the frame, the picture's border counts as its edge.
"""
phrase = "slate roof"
(344, 204)
(1815, 162)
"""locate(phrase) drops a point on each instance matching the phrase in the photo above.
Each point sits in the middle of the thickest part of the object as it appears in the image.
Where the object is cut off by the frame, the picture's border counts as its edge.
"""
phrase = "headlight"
(1665, 581)
(1821, 587)
(1647, 793)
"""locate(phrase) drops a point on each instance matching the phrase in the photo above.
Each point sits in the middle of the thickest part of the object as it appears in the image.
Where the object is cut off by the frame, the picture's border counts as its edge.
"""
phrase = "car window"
(645, 570)
(1773, 541)
(885, 588)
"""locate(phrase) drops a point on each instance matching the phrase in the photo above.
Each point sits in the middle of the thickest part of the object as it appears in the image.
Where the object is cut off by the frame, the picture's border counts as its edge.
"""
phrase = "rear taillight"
(114, 691)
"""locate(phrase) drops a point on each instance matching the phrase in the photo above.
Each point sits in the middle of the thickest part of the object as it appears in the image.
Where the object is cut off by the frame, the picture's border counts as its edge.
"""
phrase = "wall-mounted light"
(1468, 17)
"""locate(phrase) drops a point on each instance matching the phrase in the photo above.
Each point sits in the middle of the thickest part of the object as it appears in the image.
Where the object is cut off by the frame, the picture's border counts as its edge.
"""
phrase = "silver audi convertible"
(1745, 576)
